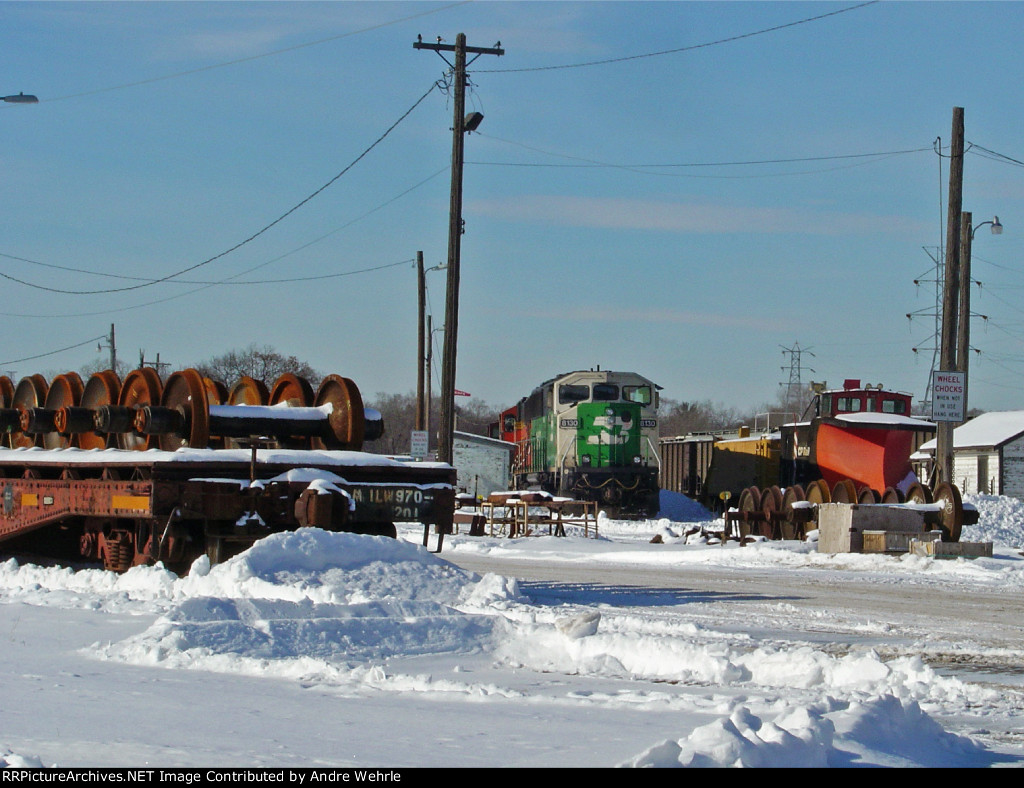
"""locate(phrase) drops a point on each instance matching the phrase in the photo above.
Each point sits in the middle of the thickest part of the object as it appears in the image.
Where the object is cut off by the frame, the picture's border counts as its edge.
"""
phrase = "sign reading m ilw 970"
(949, 396)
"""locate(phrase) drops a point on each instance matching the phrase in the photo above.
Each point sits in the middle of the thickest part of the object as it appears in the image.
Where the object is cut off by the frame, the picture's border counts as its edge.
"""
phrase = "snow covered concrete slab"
(938, 549)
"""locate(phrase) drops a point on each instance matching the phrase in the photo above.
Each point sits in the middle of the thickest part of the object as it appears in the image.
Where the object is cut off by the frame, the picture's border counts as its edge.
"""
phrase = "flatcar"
(588, 435)
(132, 473)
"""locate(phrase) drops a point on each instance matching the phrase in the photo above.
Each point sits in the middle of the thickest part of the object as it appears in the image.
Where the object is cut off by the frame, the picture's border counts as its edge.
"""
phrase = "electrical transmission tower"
(938, 279)
(796, 396)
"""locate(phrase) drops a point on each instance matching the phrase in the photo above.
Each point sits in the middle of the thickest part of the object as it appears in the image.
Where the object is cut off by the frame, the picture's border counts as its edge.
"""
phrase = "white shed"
(483, 465)
(988, 454)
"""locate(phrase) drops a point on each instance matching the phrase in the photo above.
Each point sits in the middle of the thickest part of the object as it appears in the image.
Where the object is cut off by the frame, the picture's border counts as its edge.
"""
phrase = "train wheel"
(951, 520)
(187, 392)
(6, 392)
(771, 508)
(65, 392)
(845, 491)
(291, 390)
(29, 393)
(818, 492)
(347, 417)
(892, 495)
(216, 391)
(103, 388)
(749, 503)
(249, 391)
(791, 529)
(867, 495)
(141, 387)
(295, 392)
(918, 493)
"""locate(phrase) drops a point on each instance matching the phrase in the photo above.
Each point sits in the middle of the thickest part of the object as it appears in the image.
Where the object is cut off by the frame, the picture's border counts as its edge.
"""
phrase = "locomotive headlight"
(609, 411)
(585, 460)
(637, 459)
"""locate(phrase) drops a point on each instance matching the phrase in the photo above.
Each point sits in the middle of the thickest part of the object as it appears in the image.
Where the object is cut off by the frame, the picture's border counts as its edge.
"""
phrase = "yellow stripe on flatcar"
(136, 503)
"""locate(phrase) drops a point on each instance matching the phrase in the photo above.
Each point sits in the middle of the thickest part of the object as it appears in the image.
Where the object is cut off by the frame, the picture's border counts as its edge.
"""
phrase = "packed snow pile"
(312, 595)
(1001, 520)
(830, 733)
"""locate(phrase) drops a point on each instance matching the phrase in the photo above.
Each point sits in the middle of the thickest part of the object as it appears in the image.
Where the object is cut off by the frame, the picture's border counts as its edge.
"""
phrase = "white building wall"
(965, 471)
(1013, 469)
(978, 472)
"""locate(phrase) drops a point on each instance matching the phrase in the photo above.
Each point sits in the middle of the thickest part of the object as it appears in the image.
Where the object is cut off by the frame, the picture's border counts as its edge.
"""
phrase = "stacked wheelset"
(187, 410)
(777, 513)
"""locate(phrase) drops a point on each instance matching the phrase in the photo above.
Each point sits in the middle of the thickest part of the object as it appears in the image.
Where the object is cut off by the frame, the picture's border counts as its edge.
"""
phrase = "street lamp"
(21, 98)
(422, 419)
(963, 329)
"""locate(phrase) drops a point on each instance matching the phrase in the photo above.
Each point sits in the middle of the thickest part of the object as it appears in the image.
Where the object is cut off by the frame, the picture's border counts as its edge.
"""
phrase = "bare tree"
(681, 418)
(102, 364)
(261, 363)
(399, 414)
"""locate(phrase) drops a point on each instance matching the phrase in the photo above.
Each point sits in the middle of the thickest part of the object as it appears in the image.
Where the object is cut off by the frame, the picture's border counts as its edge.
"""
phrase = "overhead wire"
(53, 352)
(677, 50)
(646, 169)
(257, 234)
(278, 258)
(250, 58)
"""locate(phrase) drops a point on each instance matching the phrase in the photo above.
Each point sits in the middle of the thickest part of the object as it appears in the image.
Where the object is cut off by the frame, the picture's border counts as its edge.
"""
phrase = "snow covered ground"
(320, 649)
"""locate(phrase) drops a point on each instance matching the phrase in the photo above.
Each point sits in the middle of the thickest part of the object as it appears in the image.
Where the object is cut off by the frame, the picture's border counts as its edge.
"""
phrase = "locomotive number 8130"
(588, 435)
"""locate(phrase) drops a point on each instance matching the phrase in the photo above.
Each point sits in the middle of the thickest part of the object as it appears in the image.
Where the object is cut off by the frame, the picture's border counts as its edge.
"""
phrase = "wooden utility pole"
(446, 429)
(950, 293)
(963, 333)
(421, 358)
(113, 350)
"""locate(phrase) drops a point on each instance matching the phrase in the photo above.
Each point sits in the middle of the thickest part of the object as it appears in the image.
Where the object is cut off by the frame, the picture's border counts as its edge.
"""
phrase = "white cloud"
(634, 214)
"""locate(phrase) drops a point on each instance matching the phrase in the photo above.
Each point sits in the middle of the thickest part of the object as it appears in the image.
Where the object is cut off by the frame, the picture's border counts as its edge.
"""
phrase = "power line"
(207, 286)
(54, 352)
(228, 280)
(677, 50)
(991, 154)
(235, 62)
(644, 168)
(240, 244)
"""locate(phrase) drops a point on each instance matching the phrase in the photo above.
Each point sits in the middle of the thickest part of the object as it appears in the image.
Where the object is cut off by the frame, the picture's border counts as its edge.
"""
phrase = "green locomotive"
(588, 435)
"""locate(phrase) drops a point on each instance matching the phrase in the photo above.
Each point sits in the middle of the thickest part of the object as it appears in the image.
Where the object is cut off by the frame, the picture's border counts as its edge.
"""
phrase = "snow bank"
(309, 597)
(680, 509)
(868, 731)
(1000, 521)
(349, 610)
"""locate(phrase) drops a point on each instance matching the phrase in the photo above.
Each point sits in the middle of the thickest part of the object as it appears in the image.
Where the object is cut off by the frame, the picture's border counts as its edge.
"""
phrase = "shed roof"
(987, 431)
(483, 440)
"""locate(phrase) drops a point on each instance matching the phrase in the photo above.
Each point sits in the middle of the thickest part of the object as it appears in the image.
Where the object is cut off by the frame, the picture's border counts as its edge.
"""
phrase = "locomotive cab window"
(569, 394)
(848, 404)
(605, 392)
(641, 394)
(894, 406)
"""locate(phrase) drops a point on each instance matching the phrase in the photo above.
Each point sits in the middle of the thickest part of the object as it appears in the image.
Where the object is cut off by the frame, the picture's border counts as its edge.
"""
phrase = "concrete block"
(938, 549)
(841, 526)
(895, 541)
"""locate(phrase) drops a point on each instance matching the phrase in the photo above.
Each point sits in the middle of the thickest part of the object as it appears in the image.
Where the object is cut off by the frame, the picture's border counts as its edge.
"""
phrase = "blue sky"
(674, 188)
